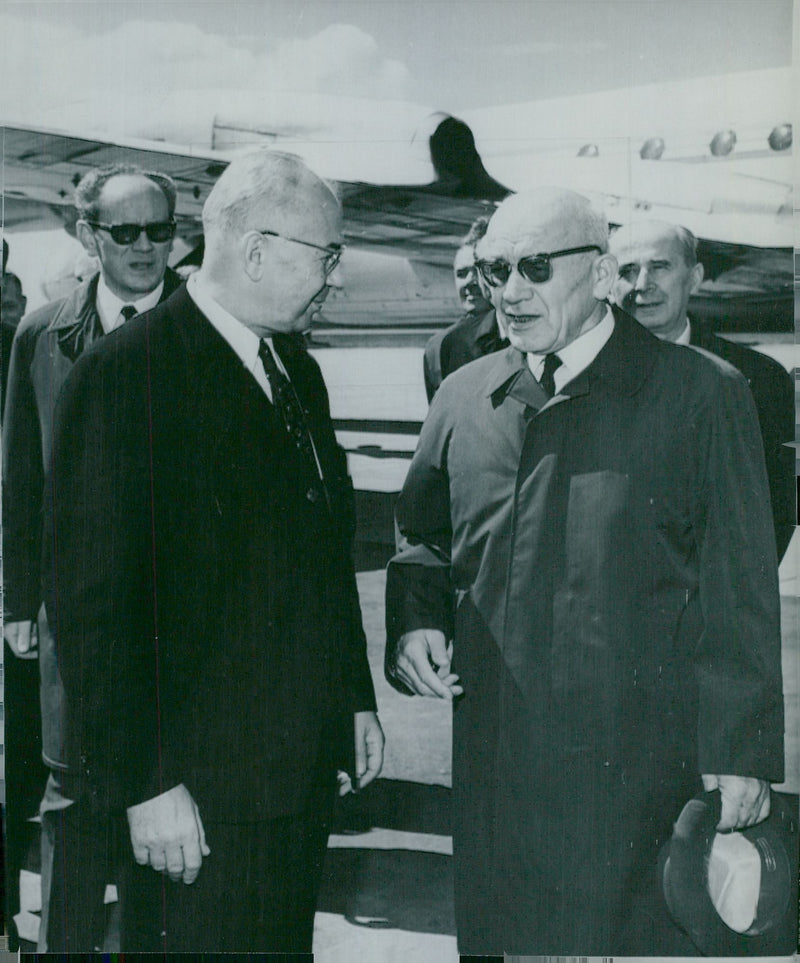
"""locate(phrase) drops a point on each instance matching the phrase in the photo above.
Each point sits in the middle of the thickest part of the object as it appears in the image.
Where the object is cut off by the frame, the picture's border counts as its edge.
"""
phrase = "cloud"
(119, 80)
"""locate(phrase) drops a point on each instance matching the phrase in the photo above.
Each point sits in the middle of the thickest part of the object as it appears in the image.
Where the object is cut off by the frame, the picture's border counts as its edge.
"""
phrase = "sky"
(64, 58)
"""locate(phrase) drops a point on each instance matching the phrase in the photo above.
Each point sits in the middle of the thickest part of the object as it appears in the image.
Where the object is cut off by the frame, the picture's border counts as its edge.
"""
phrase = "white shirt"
(243, 341)
(577, 355)
(109, 306)
(685, 337)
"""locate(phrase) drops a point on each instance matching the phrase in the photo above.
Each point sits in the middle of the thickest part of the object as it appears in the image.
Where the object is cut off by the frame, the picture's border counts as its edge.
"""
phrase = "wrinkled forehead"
(313, 214)
(643, 244)
(465, 257)
(132, 196)
(530, 228)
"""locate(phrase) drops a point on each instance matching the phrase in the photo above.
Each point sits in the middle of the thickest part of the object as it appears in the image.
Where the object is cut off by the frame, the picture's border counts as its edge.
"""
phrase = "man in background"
(474, 335)
(658, 273)
(126, 221)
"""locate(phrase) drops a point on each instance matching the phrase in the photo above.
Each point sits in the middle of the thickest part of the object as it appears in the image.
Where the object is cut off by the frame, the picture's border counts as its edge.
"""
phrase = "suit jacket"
(474, 336)
(773, 393)
(605, 563)
(212, 595)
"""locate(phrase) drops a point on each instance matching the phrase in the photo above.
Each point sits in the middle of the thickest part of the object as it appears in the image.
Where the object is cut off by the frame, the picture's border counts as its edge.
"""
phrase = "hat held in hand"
(734, 894)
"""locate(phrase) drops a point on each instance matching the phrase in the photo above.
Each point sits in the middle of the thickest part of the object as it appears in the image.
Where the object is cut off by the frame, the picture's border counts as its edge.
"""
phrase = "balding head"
(555, 211)
(658, 272)
(263, 190)
(268, 224)
(544, 316)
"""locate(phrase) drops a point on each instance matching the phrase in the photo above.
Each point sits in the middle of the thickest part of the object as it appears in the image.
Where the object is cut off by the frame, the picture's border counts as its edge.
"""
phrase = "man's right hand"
(422, 663)
(167, 834)
(22, 638)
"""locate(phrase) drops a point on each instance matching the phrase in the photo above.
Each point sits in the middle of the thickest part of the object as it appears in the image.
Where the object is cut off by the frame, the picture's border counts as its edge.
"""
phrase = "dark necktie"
(288, 406)
(552, 363)
(128, 311)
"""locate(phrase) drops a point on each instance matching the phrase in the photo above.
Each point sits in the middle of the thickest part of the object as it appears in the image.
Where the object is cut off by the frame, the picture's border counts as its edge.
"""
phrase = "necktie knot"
(552, 363)
(128, 311)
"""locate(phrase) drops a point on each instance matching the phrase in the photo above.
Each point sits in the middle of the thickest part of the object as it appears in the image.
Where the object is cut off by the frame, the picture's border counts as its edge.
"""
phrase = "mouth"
(521, 320)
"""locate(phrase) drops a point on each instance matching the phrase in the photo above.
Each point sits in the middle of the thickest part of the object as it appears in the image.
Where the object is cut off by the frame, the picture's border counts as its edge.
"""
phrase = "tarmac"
(387, 888)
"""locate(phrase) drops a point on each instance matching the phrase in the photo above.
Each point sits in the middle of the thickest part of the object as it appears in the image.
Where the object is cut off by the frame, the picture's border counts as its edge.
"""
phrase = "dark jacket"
(473, 336)
(605, 562)
(47, 344)
(213, 598)
(773, 393)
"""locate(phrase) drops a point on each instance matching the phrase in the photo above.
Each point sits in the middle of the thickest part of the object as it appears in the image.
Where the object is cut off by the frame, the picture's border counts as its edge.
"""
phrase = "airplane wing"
(422, 216)
(418, 202)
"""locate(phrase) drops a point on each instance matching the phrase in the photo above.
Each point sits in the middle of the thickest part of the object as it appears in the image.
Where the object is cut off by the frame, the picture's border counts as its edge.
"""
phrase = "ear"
(86, 236)
(253, 252)
(605, 274)
(697, 275)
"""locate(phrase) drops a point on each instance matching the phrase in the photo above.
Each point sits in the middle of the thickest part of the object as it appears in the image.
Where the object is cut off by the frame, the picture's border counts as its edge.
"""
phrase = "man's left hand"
(369, 753)
(745, 800)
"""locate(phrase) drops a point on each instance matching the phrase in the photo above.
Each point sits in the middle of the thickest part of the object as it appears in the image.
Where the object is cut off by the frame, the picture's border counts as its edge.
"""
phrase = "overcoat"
(46, 345)
(606, 564)
(773, 393)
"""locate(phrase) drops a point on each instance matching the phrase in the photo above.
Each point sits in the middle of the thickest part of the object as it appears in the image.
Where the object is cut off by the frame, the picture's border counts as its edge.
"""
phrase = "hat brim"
(682, 872)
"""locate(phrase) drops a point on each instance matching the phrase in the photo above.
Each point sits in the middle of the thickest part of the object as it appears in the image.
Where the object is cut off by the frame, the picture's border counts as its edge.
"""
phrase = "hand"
(422, 663)
(369, 753)
(167, 834)
(745, 800)
(22, 638)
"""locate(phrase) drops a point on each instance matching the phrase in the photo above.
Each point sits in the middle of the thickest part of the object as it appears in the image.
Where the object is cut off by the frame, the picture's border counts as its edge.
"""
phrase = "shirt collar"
(623, 364)
(109, 305)
(578, 354)
(685, 337)
(244, 342)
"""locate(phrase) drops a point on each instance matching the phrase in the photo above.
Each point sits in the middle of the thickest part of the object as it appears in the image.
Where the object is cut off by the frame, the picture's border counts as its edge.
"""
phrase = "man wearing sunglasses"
(586, 542)
(210, 585)
(125, 221)
(476, 333)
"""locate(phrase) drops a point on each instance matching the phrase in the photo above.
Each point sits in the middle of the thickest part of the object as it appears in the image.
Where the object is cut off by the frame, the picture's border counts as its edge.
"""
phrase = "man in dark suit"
(585, 520)
(658, 272)
(132, 277)
(209, 585)
(474, 335)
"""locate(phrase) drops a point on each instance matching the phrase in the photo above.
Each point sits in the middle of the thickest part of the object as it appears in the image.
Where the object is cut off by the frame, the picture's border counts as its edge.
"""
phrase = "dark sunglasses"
(536, 268)
(333, 253)
(157, 233)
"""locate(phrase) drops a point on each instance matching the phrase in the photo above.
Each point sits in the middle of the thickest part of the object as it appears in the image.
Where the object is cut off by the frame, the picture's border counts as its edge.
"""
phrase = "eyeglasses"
(333, 252)
(536, 268)
(159, 232)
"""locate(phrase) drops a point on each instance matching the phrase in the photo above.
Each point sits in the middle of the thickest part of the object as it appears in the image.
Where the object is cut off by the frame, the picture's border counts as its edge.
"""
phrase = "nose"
(517, 288)
(334, 279)
(143, 242)
(642, 279)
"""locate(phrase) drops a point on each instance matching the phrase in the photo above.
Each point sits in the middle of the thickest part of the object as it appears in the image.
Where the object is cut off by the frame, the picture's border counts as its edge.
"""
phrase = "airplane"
(711, 153)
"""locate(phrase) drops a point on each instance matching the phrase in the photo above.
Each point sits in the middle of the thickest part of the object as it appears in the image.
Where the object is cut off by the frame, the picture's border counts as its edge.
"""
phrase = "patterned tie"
(552, 363)
(288, 405)
(128, 311)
